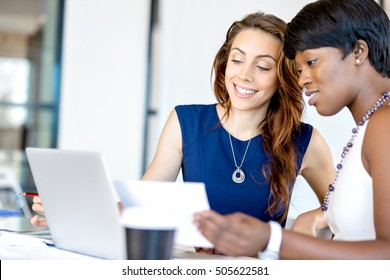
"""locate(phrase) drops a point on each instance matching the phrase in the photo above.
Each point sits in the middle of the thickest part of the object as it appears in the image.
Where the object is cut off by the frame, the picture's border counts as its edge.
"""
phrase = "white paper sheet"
(18, 246)
(182, 198)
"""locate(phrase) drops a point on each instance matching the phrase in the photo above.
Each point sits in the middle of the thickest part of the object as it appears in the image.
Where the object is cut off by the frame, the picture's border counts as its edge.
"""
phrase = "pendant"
(238, 176)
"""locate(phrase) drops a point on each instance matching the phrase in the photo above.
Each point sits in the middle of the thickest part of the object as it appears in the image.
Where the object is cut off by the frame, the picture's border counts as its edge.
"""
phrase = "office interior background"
(103, 75)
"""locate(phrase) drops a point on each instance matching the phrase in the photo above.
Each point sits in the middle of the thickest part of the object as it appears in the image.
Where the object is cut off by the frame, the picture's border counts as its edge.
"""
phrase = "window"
(30, 60)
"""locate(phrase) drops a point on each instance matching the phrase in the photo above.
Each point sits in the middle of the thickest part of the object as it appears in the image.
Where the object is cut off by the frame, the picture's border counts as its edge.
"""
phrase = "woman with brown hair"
(248, 148)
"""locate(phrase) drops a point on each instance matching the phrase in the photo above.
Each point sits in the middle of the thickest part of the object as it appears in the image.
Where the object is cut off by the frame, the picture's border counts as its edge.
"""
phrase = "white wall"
(103, 81)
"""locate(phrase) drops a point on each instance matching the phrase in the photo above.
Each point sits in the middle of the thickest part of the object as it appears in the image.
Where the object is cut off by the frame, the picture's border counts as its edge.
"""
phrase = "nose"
(304, 79)
(246, 73)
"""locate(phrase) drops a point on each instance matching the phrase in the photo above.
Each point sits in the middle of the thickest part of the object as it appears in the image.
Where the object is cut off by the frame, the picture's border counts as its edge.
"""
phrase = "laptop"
(80, 201)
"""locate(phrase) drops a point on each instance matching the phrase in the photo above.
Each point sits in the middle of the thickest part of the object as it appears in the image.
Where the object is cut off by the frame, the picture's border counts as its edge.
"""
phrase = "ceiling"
(21, 16)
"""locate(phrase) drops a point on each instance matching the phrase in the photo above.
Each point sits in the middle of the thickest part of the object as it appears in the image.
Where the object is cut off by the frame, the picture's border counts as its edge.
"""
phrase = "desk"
(18, 224)
(15, 227)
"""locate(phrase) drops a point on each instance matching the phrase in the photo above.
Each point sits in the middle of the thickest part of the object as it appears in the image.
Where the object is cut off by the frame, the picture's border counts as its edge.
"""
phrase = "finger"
(217, 229)
(37, 199)
(214, 218)
(37, 207)
(230, 234)
(207, 226)
(36, 221)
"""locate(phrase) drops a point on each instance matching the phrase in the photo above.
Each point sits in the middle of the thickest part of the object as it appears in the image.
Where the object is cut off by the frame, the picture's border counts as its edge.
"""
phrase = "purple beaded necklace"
(382, 100)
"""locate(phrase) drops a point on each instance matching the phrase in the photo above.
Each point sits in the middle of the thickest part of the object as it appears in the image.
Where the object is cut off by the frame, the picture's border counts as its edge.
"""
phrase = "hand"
(235, 234)
(37, 207)
(310, 222)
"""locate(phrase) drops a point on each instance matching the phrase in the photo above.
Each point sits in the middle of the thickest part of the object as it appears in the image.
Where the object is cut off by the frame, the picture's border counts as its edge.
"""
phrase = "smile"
(309, 93)
(245, 91)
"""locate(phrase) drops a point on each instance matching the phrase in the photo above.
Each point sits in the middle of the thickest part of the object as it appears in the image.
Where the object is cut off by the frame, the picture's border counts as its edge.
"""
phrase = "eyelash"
(263, 68)
(311, 62)
(260, 67)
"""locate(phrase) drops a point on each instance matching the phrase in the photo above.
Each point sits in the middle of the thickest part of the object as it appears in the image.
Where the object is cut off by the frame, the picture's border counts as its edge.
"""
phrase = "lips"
(311, 94)
(245, 91)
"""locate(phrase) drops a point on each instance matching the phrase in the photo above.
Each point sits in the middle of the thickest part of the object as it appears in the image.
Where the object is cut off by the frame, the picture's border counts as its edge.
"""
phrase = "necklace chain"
(382, 100)
(238, 175)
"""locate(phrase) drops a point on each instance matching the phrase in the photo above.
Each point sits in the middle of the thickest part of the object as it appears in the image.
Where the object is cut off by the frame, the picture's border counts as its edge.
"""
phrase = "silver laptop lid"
(79, 200)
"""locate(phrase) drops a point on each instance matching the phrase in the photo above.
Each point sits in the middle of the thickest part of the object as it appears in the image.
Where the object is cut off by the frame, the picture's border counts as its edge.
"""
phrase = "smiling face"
(251, 72)
(330, 79)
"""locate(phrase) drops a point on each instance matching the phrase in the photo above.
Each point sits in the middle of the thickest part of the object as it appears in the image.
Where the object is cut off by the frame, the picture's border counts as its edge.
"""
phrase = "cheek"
(230, 71)
(269, 82)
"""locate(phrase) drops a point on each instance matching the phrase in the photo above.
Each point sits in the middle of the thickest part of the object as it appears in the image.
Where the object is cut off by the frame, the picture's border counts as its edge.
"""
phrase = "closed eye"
(263, 68)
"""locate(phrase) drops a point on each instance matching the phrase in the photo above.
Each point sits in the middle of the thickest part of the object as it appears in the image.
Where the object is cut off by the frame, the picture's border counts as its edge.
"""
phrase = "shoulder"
(305, 127)
(317, 148)
(196, 120)
(303, 134)
(377, 134)
(380, 120)
(317, 140)
(195, 112)
(194, 108)
(376, 141)
(318, 158)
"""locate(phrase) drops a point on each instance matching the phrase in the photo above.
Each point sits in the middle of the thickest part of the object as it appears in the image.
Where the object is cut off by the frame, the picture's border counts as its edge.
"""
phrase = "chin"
(325, 112)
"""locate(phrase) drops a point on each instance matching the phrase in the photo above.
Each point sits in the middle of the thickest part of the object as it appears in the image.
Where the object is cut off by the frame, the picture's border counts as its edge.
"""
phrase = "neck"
(243, 125)
(368, 94)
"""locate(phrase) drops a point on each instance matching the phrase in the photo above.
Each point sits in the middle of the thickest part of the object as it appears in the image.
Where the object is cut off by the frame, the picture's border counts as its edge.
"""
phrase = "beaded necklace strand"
(382, 100)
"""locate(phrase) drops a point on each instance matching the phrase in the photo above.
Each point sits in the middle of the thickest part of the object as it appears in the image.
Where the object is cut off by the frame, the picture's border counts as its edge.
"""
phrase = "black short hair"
(340, 24)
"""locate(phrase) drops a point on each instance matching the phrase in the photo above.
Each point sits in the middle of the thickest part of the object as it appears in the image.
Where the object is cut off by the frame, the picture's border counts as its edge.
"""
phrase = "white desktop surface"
(17, 242)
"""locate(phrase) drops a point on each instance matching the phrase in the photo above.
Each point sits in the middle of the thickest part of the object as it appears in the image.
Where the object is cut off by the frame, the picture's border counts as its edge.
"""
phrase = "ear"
(360, 52)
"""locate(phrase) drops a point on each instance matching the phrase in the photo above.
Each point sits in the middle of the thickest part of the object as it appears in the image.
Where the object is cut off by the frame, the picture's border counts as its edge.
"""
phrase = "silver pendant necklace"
(238, 175)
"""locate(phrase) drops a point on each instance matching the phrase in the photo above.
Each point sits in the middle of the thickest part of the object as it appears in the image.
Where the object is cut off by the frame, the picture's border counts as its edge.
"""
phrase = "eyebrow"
(257, 56)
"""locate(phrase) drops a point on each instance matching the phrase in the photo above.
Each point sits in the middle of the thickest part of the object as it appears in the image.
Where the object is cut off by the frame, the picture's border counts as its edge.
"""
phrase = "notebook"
(80, 201)
(181, 199)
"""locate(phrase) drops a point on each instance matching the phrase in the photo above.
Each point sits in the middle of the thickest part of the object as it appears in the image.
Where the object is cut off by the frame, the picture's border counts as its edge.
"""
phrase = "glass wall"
(30, 60)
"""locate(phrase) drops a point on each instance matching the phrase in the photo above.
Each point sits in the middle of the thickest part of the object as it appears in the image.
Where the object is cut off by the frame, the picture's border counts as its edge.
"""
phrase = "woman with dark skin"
(342, 49)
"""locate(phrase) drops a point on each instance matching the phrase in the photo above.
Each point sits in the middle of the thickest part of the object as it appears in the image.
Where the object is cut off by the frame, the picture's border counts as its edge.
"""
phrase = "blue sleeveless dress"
(208, 158)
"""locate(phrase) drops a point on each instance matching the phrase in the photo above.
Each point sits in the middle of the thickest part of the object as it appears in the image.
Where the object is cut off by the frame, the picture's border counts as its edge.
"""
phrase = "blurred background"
(104, 74)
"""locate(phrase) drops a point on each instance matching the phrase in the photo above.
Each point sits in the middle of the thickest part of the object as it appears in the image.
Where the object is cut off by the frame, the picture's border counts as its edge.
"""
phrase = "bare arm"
(318, 170)
(166, 163)
(242, 235)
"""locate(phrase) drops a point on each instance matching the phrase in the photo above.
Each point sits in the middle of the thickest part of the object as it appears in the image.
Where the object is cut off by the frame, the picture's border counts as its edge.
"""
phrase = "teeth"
(313, 94)
(245, 91)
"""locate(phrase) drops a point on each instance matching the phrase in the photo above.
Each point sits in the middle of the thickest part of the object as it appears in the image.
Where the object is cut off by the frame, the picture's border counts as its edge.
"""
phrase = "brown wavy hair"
(283, 115)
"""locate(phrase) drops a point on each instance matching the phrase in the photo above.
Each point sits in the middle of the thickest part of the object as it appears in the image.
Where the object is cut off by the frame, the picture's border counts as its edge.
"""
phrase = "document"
(182, 198)
(25, 247)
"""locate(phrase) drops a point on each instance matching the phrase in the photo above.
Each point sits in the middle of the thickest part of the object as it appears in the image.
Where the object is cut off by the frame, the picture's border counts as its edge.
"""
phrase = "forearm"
(303, 247)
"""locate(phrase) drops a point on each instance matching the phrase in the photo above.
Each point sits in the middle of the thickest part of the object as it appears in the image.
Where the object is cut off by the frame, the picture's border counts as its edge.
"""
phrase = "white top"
(350, 211)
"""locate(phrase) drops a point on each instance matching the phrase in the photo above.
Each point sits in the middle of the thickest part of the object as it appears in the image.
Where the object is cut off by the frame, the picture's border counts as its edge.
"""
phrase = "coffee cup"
(149, 233)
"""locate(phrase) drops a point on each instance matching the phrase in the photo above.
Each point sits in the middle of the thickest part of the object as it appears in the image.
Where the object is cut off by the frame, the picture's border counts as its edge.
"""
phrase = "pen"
(29, 194)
